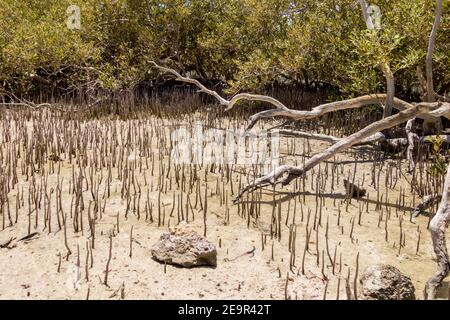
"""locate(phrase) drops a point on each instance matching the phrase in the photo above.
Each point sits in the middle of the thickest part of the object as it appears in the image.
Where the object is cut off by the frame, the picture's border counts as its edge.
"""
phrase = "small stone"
(385, 282)
(184, 247)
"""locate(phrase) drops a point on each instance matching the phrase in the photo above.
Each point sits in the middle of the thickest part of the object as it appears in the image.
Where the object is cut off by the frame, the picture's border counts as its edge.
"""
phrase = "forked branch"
(281, 110)
(285, 174)
(228, 103)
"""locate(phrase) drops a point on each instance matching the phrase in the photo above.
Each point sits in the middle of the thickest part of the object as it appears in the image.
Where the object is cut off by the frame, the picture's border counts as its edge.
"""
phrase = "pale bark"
(326, 108)
(330, 139)
(282, 111)
(366, 16)
(377, 137)
(425, 110)
(292, 172)
(228, 103)
(423, 88)
(441, 109)
(438, 226)
(442, 98)
(202, 88)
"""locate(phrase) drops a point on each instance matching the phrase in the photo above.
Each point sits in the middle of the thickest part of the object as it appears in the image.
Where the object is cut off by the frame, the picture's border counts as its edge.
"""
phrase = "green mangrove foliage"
(246, 44)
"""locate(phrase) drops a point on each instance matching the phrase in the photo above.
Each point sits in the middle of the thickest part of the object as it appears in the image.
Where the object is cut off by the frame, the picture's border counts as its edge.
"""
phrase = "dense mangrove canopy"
(243, 44)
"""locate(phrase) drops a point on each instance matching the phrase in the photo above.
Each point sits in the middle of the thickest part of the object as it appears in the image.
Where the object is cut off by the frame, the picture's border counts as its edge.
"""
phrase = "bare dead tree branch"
(408, 111)
(292, 172)
(328, 107)
(377, 137)
(202, 88)
(282, 111)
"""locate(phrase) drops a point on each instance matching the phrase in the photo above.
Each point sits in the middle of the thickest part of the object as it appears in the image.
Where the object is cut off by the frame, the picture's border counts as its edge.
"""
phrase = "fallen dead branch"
(241, 255)
(285, 174)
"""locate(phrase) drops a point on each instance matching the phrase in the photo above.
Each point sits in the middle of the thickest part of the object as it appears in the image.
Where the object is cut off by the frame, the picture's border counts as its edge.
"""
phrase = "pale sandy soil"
(29, 270)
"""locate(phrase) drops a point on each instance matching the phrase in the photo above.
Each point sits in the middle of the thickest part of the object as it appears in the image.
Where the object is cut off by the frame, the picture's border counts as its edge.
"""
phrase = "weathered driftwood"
(394, 144)
(438, 226)
(285, 174)
(327, 138)
(336, 106)
(377, 137)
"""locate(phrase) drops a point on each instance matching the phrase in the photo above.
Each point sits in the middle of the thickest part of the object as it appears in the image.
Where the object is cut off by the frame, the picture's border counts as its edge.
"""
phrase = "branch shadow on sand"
(287, 196)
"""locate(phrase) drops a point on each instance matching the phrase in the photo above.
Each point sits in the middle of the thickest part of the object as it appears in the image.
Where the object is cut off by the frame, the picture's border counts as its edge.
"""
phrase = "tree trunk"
(429, 125)
(438, 226)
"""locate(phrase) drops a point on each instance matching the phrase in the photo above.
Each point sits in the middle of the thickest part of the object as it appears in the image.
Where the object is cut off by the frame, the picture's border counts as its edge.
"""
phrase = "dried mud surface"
(29, 269)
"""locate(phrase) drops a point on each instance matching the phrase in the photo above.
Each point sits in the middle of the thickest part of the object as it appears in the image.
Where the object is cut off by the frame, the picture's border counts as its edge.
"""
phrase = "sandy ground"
(29, 269)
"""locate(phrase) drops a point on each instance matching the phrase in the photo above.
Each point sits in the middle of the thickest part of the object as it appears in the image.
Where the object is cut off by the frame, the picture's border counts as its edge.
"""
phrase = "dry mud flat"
(78, 186)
